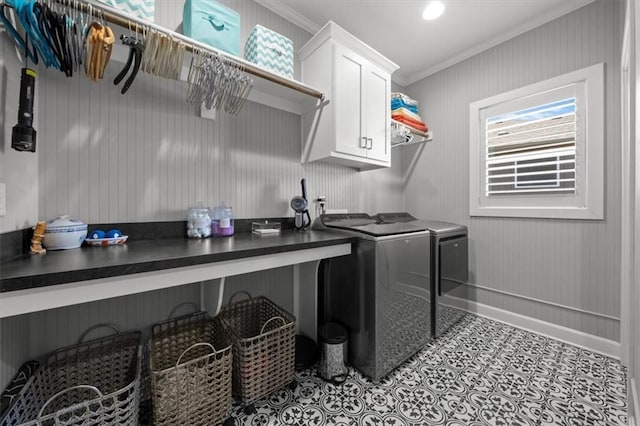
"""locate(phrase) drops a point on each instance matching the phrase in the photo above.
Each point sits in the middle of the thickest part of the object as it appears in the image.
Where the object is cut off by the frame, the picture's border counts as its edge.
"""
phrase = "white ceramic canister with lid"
(63, 233)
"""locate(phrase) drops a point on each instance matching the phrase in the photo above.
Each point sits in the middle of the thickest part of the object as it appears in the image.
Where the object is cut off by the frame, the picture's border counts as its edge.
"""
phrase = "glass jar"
(222, 225)
(198, 222)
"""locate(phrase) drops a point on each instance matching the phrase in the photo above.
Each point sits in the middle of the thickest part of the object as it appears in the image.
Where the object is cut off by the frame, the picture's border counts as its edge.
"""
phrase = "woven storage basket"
(263, 336)
(146, 413)
(91, 383)
(190, 368)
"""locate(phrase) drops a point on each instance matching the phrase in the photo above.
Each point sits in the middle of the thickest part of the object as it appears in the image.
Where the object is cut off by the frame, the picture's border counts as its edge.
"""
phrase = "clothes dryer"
(449, 259)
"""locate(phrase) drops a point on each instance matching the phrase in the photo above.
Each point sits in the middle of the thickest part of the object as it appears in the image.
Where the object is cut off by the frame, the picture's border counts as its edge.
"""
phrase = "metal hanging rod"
(126, 21)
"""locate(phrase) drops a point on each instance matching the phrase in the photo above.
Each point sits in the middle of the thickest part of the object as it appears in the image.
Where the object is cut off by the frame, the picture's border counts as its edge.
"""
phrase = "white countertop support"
(42, 298)
(305, 298)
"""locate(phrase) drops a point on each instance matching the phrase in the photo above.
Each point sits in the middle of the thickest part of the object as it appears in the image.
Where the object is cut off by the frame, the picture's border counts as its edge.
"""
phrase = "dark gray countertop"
(87, 263)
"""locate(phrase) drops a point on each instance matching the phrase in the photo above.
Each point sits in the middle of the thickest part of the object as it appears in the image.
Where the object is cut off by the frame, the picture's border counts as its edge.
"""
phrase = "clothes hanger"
(89, 40)
(238, 97)
(92, 40)
(34, 13)
(79, 34)
(40, 11)
(30, 14)
(150, 51)
(175, 59)
(69, 25)
(211, 83)
(56, 27)
(227, 81)
(108, 40)
(163, 55)
(232, 89)
(15, 36)
(179, 59)
(200, 76)
(228, 85)
(101, 40)
(220, 82)
(85, 38)
(190, 72)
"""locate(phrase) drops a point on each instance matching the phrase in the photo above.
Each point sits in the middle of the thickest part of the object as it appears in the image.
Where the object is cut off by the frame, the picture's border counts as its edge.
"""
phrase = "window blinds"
(532, 150)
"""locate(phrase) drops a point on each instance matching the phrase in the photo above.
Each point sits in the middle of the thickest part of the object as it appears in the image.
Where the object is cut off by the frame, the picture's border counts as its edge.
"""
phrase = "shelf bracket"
(319, 105)
(414, 163)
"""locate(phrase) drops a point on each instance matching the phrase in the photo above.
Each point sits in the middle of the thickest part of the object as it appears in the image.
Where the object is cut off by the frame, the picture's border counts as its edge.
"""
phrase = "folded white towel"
(406, 99)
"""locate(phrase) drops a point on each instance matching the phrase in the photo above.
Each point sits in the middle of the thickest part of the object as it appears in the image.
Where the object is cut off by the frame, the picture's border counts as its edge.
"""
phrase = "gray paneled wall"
(572, 263)
(14, 346)
(146, 155)
(18, 170)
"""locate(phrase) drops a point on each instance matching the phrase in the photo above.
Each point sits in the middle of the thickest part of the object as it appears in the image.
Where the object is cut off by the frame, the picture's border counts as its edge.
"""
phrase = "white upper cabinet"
(353, 127)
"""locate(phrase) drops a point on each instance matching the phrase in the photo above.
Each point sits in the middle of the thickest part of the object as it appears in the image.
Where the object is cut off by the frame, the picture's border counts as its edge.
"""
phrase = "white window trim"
(588, 203)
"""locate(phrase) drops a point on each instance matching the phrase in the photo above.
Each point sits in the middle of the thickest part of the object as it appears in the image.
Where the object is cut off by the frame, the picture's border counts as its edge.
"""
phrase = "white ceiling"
(396, 29)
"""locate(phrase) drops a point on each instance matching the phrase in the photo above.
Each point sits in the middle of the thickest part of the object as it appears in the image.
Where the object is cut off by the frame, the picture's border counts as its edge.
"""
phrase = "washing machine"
(380, 292)
(449, 259)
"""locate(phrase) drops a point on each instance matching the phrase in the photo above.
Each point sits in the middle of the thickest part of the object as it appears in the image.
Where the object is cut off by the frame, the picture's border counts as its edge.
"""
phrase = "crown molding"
(279, 8)
(290, 15)
(396, 78)
(530, 25)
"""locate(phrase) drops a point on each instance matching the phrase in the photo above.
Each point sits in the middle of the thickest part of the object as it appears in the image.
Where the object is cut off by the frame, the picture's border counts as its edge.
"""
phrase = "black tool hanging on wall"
(300, 205)
(23, 135)
(135, 52)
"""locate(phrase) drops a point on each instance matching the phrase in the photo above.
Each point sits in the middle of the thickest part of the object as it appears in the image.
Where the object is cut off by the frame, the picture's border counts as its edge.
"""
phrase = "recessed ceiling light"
(434, 9)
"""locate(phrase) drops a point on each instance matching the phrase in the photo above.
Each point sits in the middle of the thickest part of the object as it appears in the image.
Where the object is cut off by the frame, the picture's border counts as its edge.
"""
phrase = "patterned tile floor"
(480, 372)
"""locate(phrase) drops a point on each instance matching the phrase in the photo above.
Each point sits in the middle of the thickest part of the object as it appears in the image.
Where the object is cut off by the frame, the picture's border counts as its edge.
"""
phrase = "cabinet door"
(377, 113)
(348, 107)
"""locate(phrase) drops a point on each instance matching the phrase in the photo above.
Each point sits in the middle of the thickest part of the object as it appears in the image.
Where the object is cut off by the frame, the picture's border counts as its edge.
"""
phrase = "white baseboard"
(578, 338)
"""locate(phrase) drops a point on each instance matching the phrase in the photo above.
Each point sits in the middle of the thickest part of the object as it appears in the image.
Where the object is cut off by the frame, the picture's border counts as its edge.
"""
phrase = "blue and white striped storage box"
(143, 9)
(270, 50)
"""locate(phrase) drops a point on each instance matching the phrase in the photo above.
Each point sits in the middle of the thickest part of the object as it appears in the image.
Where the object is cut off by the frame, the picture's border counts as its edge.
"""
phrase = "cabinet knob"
(363, 143)
(369, 143)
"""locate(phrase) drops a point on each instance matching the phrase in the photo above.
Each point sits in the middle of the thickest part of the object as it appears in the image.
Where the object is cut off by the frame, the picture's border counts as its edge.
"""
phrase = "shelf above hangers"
(269, 88)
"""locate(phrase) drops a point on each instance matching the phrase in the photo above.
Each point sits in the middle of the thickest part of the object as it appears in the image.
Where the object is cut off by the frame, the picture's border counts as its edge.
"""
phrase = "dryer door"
(454, 264)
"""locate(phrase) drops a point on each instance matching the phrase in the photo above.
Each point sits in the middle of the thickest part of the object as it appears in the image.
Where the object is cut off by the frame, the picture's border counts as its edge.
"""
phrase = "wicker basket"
(146, 412)
(190, 368)
(263, 337)
(92, 383)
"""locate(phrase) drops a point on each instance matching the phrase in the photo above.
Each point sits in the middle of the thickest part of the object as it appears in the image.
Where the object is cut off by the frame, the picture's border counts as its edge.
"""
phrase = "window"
(532, 150)
(538, 151)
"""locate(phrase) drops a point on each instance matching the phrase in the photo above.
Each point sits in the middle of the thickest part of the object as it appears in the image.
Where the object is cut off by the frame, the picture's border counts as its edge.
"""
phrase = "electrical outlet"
(3, 199)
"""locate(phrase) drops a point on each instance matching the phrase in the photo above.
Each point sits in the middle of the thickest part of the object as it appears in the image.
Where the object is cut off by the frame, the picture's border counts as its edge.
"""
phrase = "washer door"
(403, 299)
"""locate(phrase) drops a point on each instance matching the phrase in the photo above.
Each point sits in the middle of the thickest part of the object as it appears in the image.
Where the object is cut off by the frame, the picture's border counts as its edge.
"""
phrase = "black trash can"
(333, 339)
